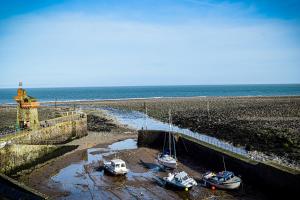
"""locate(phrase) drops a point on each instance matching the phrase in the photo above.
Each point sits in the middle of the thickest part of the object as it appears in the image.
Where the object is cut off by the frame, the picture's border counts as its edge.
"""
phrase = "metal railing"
(215, 142)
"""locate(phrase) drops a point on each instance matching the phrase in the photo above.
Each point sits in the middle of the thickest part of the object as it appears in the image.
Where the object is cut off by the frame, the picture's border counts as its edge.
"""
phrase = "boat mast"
(170, 126)
(172, 135)
(164, 142)
(146, 115)
(174, 147)
(224, 163)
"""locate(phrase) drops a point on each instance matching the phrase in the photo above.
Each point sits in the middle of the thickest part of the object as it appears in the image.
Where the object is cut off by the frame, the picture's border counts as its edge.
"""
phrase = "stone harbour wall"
(56, 133)
(14, 158)
(25, 149)
(273, 180)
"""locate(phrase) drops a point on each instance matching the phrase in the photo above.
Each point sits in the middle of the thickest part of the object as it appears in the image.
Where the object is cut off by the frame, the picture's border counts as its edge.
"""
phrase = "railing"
(216, 142)
(72, 116)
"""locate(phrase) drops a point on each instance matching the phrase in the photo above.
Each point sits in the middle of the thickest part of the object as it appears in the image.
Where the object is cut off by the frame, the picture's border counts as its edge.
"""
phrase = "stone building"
(27, 113)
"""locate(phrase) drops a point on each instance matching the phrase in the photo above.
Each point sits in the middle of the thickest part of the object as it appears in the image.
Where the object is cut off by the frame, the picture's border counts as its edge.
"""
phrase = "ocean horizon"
(144, 92)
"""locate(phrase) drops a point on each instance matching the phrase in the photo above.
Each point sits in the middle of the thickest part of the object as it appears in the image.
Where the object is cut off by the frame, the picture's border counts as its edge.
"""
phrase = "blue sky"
(53, 43)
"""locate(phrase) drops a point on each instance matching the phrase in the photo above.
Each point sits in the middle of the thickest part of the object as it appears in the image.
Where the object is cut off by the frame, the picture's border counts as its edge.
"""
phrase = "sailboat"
(166, 158)
(222, 180)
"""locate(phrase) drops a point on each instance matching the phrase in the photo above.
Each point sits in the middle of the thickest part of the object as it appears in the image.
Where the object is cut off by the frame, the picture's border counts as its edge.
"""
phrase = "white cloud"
(71, 49)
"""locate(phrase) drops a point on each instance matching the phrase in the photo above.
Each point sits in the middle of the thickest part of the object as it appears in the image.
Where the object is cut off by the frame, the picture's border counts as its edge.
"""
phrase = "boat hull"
(170, 163)
(167, 164)
(223, 180)
(180, 181)
(224, 186)
(112, 172)
(177, 187)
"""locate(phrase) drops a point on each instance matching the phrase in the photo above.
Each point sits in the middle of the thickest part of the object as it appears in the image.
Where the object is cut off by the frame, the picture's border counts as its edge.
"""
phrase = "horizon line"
(115, 86)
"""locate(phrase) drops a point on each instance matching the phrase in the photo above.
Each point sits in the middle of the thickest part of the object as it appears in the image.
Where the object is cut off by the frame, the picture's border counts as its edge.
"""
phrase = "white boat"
(167, 158)
(167, 161)
(180, 181)
(222, 180)
(116, 167)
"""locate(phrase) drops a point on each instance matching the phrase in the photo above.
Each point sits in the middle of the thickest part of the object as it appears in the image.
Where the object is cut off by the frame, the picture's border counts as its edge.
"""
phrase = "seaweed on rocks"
(266, 124)
(98, 123)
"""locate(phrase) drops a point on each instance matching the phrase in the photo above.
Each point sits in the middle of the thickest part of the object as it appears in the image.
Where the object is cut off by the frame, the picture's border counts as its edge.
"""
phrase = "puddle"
(83, 179)
(123, 145)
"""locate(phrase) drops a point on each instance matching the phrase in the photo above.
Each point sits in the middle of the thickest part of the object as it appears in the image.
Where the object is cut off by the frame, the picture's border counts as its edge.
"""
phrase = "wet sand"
(90, 182)
(39, 177)
(142, 163)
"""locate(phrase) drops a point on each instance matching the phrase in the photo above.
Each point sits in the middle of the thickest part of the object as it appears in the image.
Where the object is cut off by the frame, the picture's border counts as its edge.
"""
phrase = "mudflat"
(267, 124)
(228, 118)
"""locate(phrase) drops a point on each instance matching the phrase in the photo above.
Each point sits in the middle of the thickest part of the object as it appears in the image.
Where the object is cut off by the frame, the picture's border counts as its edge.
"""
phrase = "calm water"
(99, 93)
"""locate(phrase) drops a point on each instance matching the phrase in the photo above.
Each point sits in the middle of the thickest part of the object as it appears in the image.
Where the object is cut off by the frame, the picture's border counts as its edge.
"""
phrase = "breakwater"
(267, 176)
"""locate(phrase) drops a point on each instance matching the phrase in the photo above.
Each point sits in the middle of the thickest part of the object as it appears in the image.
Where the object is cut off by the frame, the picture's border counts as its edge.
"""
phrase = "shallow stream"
(139, 120)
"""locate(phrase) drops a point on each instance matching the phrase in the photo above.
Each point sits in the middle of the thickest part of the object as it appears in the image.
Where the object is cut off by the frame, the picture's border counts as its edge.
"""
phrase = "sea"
(143, 92)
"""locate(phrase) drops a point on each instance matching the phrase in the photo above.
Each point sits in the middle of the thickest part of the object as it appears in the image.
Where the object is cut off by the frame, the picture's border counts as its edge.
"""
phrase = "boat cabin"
(223, 176)
(118, 164)
(182, 176)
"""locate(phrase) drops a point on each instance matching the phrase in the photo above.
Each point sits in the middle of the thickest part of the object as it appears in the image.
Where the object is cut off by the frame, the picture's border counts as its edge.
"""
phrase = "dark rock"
(97, 123)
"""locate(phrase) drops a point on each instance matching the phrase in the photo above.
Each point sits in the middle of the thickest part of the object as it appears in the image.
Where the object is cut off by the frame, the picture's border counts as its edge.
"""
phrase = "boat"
(222, 180)
(116, 167)
(167, 159)
(180, 180)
